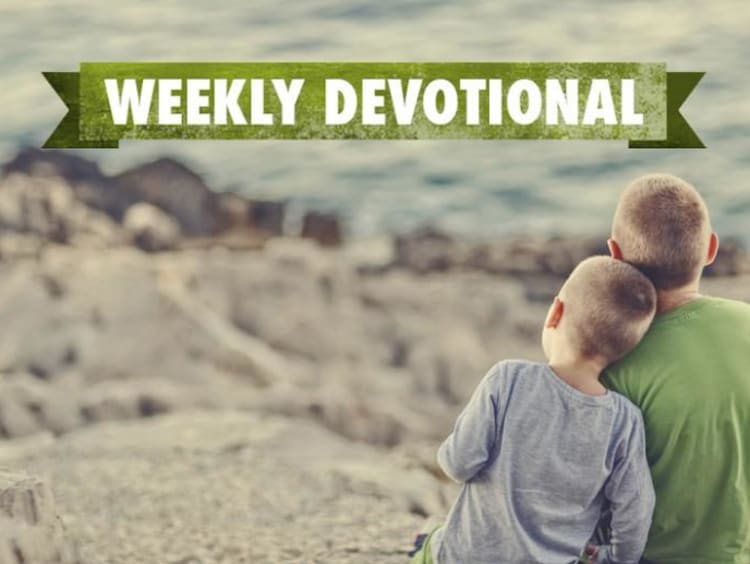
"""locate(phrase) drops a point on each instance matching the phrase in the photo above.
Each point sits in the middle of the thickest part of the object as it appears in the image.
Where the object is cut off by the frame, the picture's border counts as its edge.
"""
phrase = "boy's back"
(690, 376)
(541, 460)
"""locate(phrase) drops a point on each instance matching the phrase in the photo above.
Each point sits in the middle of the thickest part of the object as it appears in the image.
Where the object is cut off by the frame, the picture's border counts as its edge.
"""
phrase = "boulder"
(49, 209)
(427, 250)
(732, 259)
(90, 185)
(24, 498)
(151, 229)
(262, 217)
(234, 486)
(20, 245)
(16, 419)
(164, 183)
(233, 210)
(539, 261)
(325, 228)
(28, 406)
(243, 220)
(430, 250)
(266, 216)
(440, 366)
(117, 401)
(180, 192)
(30, 530)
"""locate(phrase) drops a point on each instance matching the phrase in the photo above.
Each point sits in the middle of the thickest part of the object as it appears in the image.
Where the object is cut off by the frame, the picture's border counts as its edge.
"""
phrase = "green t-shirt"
(690, 376)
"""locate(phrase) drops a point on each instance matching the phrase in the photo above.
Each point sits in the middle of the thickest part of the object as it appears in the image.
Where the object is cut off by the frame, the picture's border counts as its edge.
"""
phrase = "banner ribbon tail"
(679, 133)
(67, 133)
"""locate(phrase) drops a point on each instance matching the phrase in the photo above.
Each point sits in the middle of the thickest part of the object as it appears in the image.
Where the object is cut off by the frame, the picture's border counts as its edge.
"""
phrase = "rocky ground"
(193, 382)
(230, 486)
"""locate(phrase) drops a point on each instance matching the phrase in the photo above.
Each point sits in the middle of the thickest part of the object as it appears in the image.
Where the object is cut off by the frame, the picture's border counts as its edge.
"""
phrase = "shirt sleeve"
(630, 493)
(469, 447)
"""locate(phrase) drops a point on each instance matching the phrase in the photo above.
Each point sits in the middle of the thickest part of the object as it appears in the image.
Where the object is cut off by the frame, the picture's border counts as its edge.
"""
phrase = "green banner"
(637, 102)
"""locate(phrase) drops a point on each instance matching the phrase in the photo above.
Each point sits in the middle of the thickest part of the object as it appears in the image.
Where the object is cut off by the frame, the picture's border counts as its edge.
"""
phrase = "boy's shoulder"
(626, 407)
(507, 375)
(627, 418)
(513, 368)
(515, 365)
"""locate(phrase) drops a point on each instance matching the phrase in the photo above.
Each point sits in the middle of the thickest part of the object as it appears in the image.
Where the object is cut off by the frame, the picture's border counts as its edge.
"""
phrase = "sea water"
(473, 188)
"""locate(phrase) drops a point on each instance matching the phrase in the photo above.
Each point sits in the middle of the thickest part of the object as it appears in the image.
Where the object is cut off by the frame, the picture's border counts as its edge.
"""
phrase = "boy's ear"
(713, 249)
(614, 249)
(555, 314)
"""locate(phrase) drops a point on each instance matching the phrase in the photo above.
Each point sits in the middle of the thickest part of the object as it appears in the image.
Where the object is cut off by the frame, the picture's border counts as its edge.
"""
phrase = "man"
(690, 376)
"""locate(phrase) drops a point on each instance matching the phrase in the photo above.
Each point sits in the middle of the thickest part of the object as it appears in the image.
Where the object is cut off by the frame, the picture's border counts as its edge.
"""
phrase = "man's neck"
(669, 300)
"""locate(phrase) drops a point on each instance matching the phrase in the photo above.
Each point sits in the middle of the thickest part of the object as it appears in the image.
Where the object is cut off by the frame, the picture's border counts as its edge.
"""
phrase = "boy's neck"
(580, 373)
(669, 300)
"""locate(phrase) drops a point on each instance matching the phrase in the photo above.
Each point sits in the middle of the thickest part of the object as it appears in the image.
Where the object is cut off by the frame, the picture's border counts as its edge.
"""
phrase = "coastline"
(297, 381)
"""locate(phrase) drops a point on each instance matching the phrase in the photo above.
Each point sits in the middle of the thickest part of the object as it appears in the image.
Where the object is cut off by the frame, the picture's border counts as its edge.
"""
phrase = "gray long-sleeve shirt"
(540, 462)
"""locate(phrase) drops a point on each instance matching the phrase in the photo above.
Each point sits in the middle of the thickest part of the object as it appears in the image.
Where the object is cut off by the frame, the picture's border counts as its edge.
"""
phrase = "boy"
(543, 450)
(690, 377)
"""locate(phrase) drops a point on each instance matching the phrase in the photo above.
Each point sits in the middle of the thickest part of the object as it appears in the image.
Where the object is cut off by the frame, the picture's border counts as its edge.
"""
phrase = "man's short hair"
(662, 227)
(609, 305)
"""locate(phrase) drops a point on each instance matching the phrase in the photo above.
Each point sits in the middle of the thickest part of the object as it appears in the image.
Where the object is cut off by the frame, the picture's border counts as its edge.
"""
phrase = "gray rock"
(28, 406)
(88, 182)
(259, 217)
(30, 530)
(117, 401)
(49, 209)
(152, 230)
(325, 228)
(427, 250)
(373, 357)
(25, 498)
(732, 260)
(16, 419)
(165, 183)
(20, 245)
(176, 189)
(230, 486)
(532, 259)
(233, 210)
(267, 216)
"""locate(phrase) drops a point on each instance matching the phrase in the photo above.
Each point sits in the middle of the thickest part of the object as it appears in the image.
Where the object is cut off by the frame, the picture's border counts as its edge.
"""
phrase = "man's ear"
(555, 313)
(614, 249)
(713, 249)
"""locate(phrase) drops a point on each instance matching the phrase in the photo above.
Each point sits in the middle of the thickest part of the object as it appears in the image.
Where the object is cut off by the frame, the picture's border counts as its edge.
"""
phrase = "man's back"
(690, 376)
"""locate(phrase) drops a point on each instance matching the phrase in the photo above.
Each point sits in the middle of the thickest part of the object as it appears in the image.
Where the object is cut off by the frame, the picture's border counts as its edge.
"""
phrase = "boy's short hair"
(662, 227)
(609, 305)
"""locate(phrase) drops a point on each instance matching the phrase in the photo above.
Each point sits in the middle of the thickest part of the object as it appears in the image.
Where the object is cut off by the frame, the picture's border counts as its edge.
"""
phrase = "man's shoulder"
(633, 363)
(662, 348)
(726, 305)
(708, 309)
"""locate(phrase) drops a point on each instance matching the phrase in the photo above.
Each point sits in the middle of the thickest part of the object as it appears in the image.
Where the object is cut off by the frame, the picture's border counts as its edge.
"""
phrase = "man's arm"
(469, 447)
(631, 496)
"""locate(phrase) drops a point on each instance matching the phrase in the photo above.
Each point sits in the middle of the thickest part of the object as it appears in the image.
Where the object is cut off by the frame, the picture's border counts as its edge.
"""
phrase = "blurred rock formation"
(202, 385)
(30, 529)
